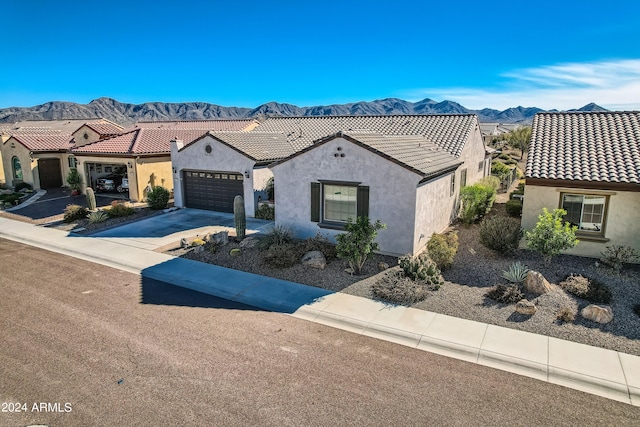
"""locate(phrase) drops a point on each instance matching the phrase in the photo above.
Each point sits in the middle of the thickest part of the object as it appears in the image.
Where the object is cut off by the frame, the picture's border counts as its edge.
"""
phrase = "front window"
(452, 188)
(340, 202)
(72, 162)
(585, 211)
(17, 169)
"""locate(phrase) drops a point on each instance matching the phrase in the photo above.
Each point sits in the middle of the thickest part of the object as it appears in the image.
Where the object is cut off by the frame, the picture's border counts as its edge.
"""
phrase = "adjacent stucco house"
(37, 152)
(143, 148)
(403, 170)
(587, 163)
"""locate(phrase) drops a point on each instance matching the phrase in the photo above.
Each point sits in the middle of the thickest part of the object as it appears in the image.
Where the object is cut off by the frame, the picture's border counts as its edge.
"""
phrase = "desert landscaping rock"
(220, 238)
(184, 243)
(314, 259)
(248, 242)
(535, 283)
(597, 313)
(382, 266)
(526, 307)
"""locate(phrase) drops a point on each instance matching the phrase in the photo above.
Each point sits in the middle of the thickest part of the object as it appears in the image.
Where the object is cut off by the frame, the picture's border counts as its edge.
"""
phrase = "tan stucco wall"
(79, 139)
(153, 172)
(621, 226)
(435, 208)
(20, 151)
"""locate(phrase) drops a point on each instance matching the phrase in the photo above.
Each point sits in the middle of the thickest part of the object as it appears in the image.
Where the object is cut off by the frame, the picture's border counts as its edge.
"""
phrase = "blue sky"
(498, 54)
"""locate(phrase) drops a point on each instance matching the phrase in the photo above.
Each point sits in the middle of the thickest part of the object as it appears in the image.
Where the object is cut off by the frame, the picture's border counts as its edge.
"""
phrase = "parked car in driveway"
(115, 181)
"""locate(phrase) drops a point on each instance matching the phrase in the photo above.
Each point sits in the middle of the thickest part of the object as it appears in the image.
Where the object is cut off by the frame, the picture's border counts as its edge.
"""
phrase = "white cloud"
(614, 85)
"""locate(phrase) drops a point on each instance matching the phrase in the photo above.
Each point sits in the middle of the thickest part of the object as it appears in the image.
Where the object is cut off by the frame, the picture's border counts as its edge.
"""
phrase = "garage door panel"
(212, 190)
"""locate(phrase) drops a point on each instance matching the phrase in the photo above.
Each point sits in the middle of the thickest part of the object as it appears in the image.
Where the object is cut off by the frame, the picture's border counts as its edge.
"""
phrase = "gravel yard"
(474, 271)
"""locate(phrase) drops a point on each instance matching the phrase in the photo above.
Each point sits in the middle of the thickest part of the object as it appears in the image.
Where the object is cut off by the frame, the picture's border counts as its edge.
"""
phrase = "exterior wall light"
(246, 174)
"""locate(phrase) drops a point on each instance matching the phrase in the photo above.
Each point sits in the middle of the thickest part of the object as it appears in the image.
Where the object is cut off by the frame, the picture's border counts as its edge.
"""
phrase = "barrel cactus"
(239, 217)
(91, 199)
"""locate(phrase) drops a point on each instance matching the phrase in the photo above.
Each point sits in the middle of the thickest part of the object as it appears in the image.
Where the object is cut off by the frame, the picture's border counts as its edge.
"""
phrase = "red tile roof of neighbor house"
(262, 147)
(585, 146)
(43, 142)
(47, 126)
(140, 141)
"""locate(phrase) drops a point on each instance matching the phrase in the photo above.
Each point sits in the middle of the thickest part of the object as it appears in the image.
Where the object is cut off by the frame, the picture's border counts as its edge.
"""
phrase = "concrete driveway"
(52, 202)
(162, 230)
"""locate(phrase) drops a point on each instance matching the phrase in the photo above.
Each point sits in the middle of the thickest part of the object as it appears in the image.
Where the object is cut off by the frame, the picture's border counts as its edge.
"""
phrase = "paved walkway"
(594, 370)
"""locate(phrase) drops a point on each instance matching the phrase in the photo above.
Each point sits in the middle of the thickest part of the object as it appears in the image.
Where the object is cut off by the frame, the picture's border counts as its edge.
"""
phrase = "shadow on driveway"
(55, 201)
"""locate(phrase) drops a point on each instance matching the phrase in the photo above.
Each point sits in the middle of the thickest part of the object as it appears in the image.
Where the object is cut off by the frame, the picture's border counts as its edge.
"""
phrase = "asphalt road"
(101, 347)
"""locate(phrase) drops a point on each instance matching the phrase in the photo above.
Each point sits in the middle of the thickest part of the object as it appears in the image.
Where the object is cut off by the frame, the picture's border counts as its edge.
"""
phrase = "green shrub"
(504, 156)
(395, 287)
(276, 236)
(491, 182)
(22, 185)
(283, 255)
(442, 248)
(158, 198)
(97, 216)
(74, 212)
(505, 294)
(12, 199)
(514, 208)
(358, 242)
(476, 201)
(617, 255)
(500, 234)
(566, 315)
(74, 179)
(119, 209)
(551, 235)
(322, 244)
(517, 272)
(500, 170)
(265, 211)
(585, 288)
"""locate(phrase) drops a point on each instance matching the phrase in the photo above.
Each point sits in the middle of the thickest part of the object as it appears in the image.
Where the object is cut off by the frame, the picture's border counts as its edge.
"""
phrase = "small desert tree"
(74, 179)
(520, 138)
(552, 234)
(358, 242)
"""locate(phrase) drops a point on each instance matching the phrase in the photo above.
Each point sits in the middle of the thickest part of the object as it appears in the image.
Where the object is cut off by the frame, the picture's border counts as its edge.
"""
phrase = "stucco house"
(143, 149)
(403, 170)
(37, 152)
(587, 163)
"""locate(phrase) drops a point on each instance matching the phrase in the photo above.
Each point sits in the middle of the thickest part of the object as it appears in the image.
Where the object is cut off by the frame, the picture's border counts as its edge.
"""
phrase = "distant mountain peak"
(591, 107)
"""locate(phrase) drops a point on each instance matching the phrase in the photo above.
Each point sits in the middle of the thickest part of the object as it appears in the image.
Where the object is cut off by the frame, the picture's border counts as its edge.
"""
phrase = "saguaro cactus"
(239, 217)
(91, 199)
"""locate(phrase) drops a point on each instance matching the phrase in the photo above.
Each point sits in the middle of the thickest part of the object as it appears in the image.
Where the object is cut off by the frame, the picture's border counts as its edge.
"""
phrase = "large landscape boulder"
(597, 313)
(314, 259)
(221, 238)
(248, 242)
(535, 283)
(526, 307)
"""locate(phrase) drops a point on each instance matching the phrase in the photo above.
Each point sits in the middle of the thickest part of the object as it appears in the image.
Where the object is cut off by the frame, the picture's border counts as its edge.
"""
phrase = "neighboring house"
(144, 149)
(493, 130)
(587, 163)
(37, 152)
(403, 170)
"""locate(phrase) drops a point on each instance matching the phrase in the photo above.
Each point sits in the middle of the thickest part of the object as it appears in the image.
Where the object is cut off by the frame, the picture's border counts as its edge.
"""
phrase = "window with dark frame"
(586, 211)
(453, 184)
(334, 203)
(463, 178)
(17, 168)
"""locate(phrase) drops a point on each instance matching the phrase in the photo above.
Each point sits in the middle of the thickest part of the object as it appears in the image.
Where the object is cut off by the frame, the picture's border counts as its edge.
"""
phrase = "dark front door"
(211, 190)
(50, 173)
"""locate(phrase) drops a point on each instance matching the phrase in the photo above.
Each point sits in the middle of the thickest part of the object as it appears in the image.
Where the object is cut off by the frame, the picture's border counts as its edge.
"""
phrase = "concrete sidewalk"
(594, 370)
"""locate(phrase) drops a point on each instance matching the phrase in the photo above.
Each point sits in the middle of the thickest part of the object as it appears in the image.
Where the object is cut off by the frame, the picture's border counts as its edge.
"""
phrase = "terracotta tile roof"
(140, 141)
(260, 146)
(413, 152)
(585, 146)
(212, 125)
(448, 131)
(43, 142)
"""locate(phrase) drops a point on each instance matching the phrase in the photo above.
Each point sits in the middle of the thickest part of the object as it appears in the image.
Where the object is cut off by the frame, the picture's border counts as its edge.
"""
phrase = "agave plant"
(97, 216)
(517, 272)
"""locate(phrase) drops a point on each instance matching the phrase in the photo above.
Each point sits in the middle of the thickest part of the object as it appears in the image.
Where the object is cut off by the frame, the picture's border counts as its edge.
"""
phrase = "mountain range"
(125, 114)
